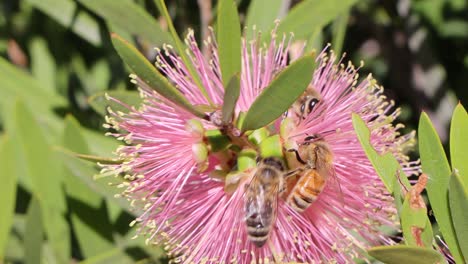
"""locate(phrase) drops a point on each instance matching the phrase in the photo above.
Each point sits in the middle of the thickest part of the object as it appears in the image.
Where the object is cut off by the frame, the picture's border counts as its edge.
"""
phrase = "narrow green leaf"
(458, 200)
(458, 142)
(99, 144)
(43, 170)
(130, 17)
(68, 14)
(99, 101)
(38, 158)
(87, 208)
(415, 218)
(15, 248)
(14, 84)
(406, 254)
(386, 165)
(262, 14)
(105, 188)
(181, 49)
(119, 254)
(18, 84)
(307, 16)
(435, 165)
(91, 158)
(73, 140)
(7, 191)
(339, 31)
(398, 194)
(94, 79)
(34, 233)
(229, 40)
(42, 64)
(231, 95)
(113, 255)
(149, 76)
(315, 41)
(277, 97)
(99, 77)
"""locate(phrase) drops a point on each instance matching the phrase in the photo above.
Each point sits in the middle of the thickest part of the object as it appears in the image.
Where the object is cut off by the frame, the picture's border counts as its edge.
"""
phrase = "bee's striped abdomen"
(306, 191)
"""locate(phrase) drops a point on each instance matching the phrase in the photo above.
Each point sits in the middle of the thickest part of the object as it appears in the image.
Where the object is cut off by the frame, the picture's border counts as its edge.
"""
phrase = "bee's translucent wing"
(261, 201)
(331, 171)
(250, 197)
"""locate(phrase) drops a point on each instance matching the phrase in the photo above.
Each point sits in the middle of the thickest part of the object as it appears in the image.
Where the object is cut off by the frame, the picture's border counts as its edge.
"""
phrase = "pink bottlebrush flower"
(169, 165)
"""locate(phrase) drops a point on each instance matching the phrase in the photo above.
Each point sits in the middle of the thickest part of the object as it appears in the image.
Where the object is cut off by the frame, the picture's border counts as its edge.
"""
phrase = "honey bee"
(317, 159)
(261, 199)
(306, 103)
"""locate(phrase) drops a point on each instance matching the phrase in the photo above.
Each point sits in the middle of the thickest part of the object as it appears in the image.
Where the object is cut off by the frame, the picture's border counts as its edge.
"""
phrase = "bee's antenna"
(318, 136)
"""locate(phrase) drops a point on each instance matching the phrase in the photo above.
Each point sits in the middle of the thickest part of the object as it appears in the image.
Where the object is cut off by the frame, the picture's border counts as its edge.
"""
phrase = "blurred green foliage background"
(57, 62)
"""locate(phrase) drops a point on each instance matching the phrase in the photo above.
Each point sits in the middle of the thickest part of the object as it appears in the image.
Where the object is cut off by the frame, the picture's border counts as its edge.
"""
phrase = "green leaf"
(114, 255)
(315, 41)
(458, 200)
(406, 254)
(339, 31)
(231, 95)
(98, 143)
(68, 14)
(307, 16)
(7, 191)
(398, 194)
(99, 101)
(182, 49)
(229, 40)
(14, 84)
(94, 79)
(39, 98)
(42, 64)
(15, 248)
(435, 165)
(43, 170)
(34, 233)
(149, 76)
(73, 141)
(38, 158)
(458, 142)
(87, 209)
(417, 218)
(386, 165)
(130, 17)
(118, 254)
(262, 14)
(105, 188)
(91, 158)
(277, 97)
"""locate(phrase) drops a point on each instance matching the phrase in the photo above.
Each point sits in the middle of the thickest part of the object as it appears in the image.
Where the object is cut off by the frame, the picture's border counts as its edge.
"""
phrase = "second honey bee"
(306, 103)
(261, 198)
(317, 159)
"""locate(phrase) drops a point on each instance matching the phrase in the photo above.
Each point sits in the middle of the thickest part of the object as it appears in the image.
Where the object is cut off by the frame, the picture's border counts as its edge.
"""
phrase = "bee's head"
(308, 105)
(274, 162)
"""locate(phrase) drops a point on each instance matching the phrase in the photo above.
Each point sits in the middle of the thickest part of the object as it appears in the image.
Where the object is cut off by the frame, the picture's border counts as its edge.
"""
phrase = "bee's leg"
(298, 157)
(293, 172)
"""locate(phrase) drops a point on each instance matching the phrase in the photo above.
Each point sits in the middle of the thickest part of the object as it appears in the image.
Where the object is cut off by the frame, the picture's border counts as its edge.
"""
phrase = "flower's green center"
(234, 155)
